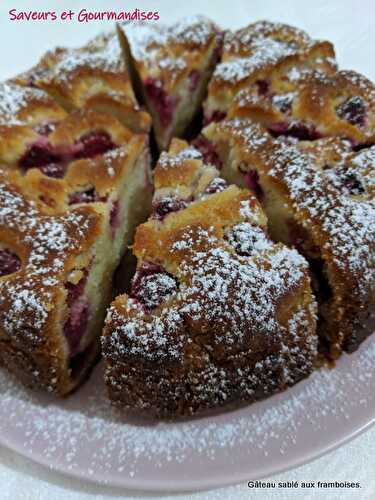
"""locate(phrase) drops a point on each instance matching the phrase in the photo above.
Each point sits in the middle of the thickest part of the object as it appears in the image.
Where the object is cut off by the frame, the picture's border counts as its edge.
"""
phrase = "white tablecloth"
(350, 25)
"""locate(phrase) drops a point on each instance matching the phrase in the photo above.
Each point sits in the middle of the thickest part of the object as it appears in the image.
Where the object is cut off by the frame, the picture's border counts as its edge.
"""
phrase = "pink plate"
(84, 437)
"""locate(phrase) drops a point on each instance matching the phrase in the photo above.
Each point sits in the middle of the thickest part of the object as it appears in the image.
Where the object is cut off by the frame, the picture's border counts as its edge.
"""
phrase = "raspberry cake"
(94, 77)
(318, 197)
(171, 67)
(217, 312)
(54, 287)
(87, 164)
(262, 59)
(318, 105)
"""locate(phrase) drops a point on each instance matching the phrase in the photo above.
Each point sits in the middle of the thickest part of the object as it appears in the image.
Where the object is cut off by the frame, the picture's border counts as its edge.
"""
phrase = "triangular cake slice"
(217, 312)
(319, 197)
(261, 59)
(88, 164)
(54, 288)
(93, 76)
(171, 66)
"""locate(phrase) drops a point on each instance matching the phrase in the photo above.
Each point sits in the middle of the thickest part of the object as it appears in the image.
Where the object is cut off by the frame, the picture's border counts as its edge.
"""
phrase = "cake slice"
(317, 105)
(54, 288)
(319, 197)
(93, 76)
(84, 171)
(217, 312)
(262, 59)
(170, 67)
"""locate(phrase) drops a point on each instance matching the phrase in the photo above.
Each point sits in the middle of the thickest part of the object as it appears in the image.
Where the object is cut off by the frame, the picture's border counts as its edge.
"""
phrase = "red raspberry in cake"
(248, 239)
(354, 110)
(161, 101)
(263, 87)
(76, 324)
(152, 285)
(251, 179)
(9, 262)
(166, 205)
(93, 144)
(208, 151)
(298, 129)
(214, 116)
(38, 155)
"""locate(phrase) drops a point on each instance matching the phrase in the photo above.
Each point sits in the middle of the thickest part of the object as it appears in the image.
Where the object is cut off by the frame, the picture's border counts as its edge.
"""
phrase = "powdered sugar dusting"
(159, 46)
(13, 99)
(102, 53)
(27, 296)
(348, 222)
(96, 442)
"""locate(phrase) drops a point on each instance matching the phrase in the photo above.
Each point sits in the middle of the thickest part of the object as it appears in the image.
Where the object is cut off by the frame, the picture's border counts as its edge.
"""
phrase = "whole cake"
(257, 260)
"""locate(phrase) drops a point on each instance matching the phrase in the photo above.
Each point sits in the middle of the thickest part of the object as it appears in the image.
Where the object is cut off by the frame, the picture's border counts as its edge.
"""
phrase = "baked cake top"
(20, 106)
(313, 105)
(169, 53)
(206, 270)
(61, 159)
(43, 254)
(335, 201)
(92, 76)
(259, 53)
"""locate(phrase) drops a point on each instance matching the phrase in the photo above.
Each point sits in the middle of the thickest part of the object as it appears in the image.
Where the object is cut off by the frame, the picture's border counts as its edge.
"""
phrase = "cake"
(74, 187)
(49, 323)
(319, 197)
(93, 76)
(170, 67)
(217, 312)
(257, 257)
(316, 106)
(261, 58)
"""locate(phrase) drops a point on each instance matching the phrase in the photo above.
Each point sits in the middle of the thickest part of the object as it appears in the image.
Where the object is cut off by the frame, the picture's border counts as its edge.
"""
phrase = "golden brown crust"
(170, 68)
(62, 187)
(170, 53)
(260, 56)
(93, 76)
(33, 111)
(33, 299)
(226, 314)
(333, 213)
(340, 105)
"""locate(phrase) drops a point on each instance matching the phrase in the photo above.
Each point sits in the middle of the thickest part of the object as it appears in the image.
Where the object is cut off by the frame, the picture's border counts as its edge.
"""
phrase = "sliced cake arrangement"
(217, 312)
(319, 198)
(257, 260)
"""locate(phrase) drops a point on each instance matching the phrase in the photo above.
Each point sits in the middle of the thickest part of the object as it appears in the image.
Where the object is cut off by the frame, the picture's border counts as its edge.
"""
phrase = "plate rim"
(188, 485)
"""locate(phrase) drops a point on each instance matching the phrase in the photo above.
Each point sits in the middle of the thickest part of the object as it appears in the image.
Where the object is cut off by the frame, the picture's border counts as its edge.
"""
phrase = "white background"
(350, 25)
